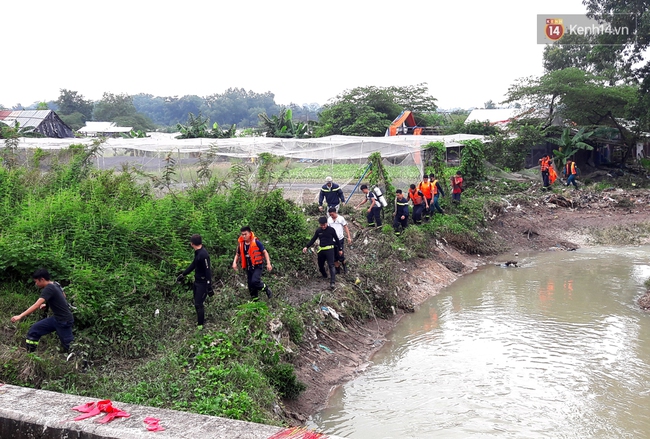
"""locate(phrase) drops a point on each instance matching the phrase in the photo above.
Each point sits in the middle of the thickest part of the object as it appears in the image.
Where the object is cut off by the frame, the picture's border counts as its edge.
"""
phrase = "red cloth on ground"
(152, 424)
(94, 408)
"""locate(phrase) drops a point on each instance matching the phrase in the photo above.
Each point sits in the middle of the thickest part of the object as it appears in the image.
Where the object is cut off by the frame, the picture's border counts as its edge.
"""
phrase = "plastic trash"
(153, 424)
(325, 348)
(91, 409)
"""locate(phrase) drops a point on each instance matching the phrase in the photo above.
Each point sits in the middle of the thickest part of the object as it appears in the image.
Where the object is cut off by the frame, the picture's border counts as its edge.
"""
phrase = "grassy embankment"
(117, 248)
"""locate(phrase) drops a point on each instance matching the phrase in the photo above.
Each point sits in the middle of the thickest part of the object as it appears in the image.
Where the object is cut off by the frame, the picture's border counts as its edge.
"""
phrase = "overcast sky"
(468, 51)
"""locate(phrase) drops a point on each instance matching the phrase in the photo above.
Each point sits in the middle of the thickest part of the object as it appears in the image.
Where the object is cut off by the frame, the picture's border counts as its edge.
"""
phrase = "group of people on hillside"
(425, 198)
(252, 256)
(570, 171)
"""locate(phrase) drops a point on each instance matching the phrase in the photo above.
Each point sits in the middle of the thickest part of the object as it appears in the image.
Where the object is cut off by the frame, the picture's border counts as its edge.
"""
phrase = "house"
(45, 122)
(105, 129)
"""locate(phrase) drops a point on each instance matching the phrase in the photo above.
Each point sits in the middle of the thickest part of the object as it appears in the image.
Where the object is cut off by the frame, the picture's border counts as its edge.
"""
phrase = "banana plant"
(282, 125)
(569, 145)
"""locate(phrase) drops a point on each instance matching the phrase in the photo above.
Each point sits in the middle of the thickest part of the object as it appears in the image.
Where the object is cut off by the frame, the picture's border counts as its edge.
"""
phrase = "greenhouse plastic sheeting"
(316, 149)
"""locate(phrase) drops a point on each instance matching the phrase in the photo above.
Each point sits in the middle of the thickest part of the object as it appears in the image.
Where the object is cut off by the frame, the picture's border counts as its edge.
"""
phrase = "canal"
(555, 348)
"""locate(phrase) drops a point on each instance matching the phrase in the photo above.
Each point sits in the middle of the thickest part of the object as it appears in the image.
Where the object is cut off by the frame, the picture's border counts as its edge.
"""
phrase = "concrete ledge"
(39, 414)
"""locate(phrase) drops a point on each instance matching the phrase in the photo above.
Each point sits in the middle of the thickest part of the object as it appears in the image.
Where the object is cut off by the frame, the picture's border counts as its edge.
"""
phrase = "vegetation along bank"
(117, 240)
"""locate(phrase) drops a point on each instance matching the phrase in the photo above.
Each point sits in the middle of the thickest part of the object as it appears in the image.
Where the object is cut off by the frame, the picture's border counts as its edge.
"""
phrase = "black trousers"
(427, 212)
(374, 217)
(400, 224)
(200, 294)
(47, 326)
(545, 178)
(340, 257)
(418, 209)
(254, 278)
(329, 256)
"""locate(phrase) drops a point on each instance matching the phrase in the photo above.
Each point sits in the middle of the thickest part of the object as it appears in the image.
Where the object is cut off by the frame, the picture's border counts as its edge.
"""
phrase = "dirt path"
(554, 222)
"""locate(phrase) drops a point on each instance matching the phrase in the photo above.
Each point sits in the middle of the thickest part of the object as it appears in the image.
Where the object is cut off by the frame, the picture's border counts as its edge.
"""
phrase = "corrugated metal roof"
(26, 118)
(45, 122)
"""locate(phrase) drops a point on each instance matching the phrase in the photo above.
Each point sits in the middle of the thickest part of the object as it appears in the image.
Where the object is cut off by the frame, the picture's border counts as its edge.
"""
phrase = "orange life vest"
(415, 197)
(253, 251)
(434, 185)
(425, 188)
(545, 164)
(571, 169)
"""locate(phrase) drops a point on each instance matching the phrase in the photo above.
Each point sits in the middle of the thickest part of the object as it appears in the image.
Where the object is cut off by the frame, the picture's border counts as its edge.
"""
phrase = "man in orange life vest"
(436, 189)
(253, 254)
(571, 171)
(544, 165)
(419, 203)
(427, 190)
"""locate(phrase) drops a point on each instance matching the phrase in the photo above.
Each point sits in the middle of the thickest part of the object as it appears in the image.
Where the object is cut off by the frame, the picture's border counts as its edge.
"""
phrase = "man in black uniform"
(328, 244)
(51, 296)
(332, 194)
(374, 211)
(401, 220)
(202, 277)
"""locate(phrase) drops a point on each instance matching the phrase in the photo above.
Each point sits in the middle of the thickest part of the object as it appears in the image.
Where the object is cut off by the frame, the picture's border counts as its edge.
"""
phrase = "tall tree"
(239, 106)
(369, 111)
(70, 102)
(625, 14)
(632, 49)
(120, 109)
(114, 105)
(584, 99)
(490, 105)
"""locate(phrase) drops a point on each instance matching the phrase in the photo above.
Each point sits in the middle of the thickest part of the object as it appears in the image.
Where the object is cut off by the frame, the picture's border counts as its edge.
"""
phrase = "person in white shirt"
(338, 223)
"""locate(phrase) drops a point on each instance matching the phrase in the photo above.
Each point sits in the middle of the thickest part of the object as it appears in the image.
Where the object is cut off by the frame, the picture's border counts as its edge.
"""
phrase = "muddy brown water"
(554, 348)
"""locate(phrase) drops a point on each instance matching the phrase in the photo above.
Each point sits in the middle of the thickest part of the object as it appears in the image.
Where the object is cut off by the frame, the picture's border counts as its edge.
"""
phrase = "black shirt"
(201, 266)
(326, 237)
(402, 207)
(53, 296)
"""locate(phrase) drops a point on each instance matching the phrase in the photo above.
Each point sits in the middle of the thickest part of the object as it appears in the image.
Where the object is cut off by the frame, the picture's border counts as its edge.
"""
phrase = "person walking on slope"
(544, 167)
(571, 172)
(331, 193)
(202, 286)
(373, 215)
(52, 297)
(401, 214)
(456, 187)
(437, 190)
(253, 255)
(427, 190)
(419, 203)
(329, 246)
(338, 223)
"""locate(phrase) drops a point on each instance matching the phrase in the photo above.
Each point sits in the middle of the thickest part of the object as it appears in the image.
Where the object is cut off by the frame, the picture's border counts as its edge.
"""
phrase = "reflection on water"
(555, 348)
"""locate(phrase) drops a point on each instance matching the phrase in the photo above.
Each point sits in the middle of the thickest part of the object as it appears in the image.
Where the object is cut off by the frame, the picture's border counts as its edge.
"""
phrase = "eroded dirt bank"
(338, 347)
